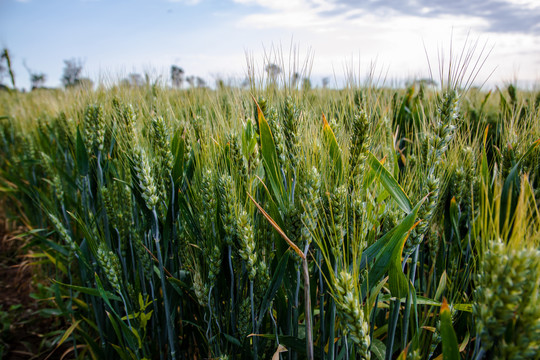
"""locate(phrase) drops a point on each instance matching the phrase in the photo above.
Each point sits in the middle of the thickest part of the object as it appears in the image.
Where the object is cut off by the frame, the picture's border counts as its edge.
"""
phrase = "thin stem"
(126, 308)
(253, 322)
(346, 347)
(103, 211)
(392, 325)
(307, 311)
(480, 354)
(70, 306)
(170, 330)
(321, 301)
(275, 325)
(209, 328)
(409, 299)
(157, 325)
(372, 320)
(332, 320)
(229, 249)
(295, 310)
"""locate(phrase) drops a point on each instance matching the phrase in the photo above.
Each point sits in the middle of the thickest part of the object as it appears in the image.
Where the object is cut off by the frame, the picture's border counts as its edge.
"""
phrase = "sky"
(393, 40)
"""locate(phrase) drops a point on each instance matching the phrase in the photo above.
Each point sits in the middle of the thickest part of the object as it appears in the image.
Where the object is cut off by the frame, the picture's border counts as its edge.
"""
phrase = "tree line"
(72, 75)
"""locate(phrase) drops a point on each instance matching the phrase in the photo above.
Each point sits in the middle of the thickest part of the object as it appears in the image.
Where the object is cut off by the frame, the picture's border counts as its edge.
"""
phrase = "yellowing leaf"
(279, 350)
(333, 149)
(448, 335)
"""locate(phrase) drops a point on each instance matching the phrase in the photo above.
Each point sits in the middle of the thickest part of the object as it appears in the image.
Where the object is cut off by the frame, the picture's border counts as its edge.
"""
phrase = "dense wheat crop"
(361, 223)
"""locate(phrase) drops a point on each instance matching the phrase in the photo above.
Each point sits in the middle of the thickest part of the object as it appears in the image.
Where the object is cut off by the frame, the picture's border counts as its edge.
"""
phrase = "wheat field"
(274, 222)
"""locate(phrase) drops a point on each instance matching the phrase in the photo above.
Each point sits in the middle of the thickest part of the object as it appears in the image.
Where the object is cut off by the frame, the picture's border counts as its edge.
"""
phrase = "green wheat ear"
(275, 123)
(145, 178)
(111, 266)
(425, 213)
(94, 127)
(358, 144)
(310, 199)
(349, 305)
(144, 257)
(338, 218)
(506, 307)
(209, 202)
(246, 238)
(62, 231)
(199, 288)
(161, 144)
(228, 200)
(291, 119)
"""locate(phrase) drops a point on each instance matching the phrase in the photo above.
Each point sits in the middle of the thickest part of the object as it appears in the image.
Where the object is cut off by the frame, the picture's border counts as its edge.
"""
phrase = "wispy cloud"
(187, 2)
(293, 14)
(393, 32)
(500, 16)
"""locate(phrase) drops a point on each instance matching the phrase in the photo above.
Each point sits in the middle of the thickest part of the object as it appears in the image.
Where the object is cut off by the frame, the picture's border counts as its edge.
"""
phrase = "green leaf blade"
(390, 183)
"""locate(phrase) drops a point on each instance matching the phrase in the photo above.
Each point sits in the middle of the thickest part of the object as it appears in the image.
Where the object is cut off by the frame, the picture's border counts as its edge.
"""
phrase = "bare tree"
(273, 71)
(135, 79)
(200, 82)
(191, 80)
(37, 80)
(72, 72)
(325, 82)
(177, 76)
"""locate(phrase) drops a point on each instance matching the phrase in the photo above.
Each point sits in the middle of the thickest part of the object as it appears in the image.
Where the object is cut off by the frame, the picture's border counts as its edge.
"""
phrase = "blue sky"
(210, 38)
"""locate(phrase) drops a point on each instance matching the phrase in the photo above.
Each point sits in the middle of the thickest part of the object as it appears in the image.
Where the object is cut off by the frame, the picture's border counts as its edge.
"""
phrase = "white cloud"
(187, 2)
(395, 41)
(298, 6)
(527, 4)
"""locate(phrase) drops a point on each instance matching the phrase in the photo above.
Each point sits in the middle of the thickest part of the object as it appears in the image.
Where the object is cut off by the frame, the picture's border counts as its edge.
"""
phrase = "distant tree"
(296, 79)
(37, 80)
(177, 76)
(71, 75)
(191, 80)
(195, 81)
(421, 82)
(245, 83)
(5, 57)
(135, 79)
(325, 82)
(427, 82)
(200, 82)
(273, 71)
